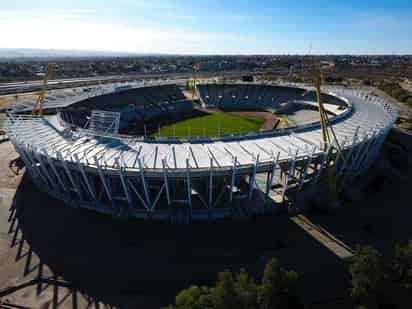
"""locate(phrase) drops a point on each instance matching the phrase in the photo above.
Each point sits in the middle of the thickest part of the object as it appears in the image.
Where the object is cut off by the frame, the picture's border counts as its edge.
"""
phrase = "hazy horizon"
(21, 53)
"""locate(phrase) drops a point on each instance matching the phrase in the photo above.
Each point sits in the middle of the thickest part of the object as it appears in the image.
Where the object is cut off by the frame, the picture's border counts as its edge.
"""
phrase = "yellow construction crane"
(49, 73)
(316, 78)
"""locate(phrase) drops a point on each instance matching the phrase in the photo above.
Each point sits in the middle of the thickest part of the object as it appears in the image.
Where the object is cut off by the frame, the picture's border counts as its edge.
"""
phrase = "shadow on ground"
(124, 264)
(133, 264)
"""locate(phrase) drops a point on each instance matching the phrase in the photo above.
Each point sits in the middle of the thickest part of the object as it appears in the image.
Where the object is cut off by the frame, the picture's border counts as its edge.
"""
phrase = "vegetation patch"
(397, 92)
(277, 289)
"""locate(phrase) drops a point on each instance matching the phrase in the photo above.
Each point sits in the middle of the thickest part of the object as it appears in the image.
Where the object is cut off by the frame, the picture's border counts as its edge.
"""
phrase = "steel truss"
(81, 175)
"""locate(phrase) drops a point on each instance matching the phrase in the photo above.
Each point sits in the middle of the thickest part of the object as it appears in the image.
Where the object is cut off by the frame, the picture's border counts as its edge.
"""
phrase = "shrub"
(403, 265)
(240, 291)
(194, 297)
(278, 287)
(368, 276)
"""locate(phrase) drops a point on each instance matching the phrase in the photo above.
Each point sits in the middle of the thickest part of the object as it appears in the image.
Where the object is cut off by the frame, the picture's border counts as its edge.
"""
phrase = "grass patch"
(396, 91)
(212, 125)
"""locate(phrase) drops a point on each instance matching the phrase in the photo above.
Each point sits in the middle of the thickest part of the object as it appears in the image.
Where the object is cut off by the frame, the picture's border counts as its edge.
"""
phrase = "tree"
(278, 288)
(194, 297)
(368, 276)
(397, 92)
(269, 292)
(224, 294)
(403, 265)
(246, 290)
(240, 291)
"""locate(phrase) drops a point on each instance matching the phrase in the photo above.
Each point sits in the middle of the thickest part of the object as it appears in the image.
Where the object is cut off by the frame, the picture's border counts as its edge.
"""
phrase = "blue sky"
(210, 27)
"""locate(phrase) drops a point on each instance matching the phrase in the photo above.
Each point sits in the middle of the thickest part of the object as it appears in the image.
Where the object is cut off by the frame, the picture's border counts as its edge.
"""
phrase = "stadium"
(146, 150)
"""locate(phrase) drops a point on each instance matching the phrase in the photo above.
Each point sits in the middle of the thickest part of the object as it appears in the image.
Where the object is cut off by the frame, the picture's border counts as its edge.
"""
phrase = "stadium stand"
(248, 96)
(134, 105)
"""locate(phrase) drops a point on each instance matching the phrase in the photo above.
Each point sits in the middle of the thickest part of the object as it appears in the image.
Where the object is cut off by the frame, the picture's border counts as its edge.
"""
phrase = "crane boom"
(48, 74)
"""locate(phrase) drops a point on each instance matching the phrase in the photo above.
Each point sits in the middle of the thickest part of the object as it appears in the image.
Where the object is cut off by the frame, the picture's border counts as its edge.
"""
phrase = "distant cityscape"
(337, 68)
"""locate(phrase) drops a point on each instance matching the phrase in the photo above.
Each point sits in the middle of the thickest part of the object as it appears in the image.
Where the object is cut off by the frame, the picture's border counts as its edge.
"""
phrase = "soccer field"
(212, 125)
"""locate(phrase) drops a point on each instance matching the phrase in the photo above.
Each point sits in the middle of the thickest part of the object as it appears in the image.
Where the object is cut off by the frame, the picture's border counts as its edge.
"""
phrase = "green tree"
(368, 276)
(224, 294)
(240, 291)
(403, 265)
(278, 288)
(195, 298)
(269, 293)
(246, 290)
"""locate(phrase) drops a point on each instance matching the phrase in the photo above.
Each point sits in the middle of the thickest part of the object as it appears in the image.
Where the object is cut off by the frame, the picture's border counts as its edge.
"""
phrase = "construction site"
(164, 210)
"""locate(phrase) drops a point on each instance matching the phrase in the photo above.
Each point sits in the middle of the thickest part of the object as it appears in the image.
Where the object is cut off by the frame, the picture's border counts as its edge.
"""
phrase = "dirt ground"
(270, 123)
(407, 87)
(285, 122)
(10, 100)
(52, 256)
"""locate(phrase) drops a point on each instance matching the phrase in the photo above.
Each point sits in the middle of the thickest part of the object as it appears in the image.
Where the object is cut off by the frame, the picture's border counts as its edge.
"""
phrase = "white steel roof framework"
(190, 179)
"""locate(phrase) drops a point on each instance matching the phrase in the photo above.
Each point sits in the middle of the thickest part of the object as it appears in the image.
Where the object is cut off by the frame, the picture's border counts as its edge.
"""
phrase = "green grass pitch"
(212, 125)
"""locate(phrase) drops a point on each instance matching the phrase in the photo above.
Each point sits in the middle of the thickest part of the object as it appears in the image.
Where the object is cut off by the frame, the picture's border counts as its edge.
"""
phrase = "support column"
(103, 180)
(85, 178)
(269, 181)
(252, 178)
(305, 171)
(125, 186)
(322, 164)
(232, 181)
(211, 184)
(189, 188)
(166, 182)
(145, 188)
(69, 175)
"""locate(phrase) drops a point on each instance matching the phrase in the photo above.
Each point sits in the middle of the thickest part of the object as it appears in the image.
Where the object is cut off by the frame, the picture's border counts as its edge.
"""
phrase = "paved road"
(28, 86)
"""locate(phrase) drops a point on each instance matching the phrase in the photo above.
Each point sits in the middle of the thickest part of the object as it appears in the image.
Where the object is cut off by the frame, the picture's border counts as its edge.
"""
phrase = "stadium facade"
(76, 155)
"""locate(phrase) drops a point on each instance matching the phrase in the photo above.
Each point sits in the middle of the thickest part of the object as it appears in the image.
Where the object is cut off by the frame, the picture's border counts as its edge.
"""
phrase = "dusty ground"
(52, 256)
(285, 122)
(270, 123)
(407, 86)
(10, 100)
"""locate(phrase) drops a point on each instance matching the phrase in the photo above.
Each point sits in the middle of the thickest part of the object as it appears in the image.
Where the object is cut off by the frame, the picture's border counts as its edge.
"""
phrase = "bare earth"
(52, 256)
(9, 100)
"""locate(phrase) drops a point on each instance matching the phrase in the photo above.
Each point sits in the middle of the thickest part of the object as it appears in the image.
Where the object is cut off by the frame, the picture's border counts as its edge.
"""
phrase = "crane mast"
(328, 134)
(49, 73)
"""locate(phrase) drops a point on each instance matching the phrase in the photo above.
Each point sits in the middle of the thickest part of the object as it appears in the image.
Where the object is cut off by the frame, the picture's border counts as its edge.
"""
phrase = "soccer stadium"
(147, 150)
